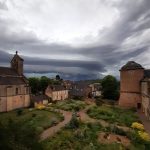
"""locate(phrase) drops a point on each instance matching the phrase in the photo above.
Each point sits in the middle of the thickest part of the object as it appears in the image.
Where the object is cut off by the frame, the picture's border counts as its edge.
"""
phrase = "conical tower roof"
(131, 65)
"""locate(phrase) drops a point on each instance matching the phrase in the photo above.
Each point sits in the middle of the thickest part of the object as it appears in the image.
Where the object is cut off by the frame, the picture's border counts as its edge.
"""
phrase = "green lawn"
(113, 114)
(70, 105)
(85, 138)
(39, 119)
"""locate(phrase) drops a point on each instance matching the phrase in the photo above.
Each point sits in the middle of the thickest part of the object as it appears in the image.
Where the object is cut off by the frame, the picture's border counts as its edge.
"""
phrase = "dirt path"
(52, 130)
(85, 118)
(67, 117)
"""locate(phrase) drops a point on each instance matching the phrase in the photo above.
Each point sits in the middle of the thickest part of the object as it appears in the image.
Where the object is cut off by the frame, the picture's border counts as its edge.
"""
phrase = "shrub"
(39, 130)
(143, 135)
(99, 102)
(34, 115)
(19, 112)
(78, 97)
(40, 106)
(74, 122)
(136, 125)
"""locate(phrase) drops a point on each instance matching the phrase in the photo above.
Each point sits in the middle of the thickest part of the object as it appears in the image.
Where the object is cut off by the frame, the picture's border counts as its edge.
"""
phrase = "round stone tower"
(130, 90)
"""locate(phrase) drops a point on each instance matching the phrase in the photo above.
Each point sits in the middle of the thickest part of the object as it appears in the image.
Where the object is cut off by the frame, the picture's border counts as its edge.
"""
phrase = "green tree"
(110, 87)
(34, 84)
(44, 81)
(57, 77)
(39, 85)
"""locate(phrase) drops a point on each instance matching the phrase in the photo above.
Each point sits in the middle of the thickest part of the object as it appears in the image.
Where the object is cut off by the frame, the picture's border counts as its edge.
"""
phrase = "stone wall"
(13, 97)
(146, 98)
(59, 95)
(130, 88)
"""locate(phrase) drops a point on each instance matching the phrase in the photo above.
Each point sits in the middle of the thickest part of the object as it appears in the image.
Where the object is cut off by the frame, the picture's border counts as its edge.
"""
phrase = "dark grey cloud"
(5, 57)
(110, 49)
(50, 65)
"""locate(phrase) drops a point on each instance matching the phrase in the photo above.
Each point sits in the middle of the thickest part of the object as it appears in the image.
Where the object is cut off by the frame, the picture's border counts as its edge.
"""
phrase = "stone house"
(96, 89)
(68, 84)
(135, 87)
(14, 87)
(40, 99)
(81, 90)
(57, 92)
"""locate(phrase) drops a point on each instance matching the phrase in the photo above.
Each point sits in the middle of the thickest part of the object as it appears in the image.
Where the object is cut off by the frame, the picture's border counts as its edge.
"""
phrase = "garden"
(113, 114)
(69, 105)
(93, 136)
(38, 119)
(21, 128)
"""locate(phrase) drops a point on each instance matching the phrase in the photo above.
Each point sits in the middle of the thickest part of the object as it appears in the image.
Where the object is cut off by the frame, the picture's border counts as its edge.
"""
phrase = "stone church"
(14, 87)
(135, 87)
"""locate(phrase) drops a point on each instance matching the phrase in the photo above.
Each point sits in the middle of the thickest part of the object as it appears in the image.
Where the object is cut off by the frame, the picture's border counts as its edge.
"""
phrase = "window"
(16, 91)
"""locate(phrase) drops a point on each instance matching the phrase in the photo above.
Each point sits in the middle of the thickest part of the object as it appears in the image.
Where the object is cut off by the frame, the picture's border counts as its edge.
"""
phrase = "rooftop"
(147, 73)
(131, 65)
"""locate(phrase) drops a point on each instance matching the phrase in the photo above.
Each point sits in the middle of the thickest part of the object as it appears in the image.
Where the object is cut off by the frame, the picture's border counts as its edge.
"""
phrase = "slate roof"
(5, 71)
(8, 76)
(39, 98)
(80, 85)
(147, 73)
(75, 92)
(131, 65)
(11, 80)
(57, 87)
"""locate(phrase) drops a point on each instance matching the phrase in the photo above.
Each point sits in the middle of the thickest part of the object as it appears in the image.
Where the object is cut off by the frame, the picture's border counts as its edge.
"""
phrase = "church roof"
(5, 71)
(9, 76)
(10, 80)
(131, 65)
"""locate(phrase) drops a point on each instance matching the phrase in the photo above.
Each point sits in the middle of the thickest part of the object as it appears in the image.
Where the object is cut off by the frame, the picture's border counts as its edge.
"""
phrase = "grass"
(85, 138)
(70, 105)
(112, 114)
(38, 119)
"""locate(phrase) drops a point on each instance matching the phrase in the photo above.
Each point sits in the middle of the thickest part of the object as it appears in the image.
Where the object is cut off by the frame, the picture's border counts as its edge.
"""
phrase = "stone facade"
(40, 99)
(96, 89)
(56, 92)
(14, 87)
(130, 89)
(145, 88)
(80, 90)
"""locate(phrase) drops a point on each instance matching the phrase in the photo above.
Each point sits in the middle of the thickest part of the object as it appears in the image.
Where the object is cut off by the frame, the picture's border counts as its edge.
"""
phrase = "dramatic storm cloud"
(79, 39)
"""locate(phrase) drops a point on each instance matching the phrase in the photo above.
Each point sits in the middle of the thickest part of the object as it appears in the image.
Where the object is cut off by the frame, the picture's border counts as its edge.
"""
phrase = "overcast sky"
(78, 39)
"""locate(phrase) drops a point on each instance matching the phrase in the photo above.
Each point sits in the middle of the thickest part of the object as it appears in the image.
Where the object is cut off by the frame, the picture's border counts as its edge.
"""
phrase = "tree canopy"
(110, 87)
(39, 85)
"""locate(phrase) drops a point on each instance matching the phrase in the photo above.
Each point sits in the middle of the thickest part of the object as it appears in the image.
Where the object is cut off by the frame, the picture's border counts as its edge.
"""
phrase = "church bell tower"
(17, 64)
